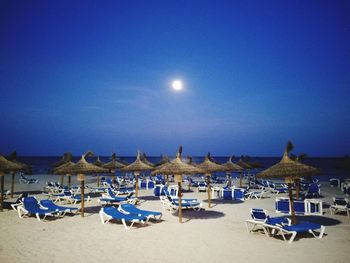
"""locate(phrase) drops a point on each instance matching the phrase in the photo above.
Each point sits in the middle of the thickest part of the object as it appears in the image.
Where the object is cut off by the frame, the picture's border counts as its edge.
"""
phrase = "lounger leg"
(102, 217)
(38, 217)
(292, 237)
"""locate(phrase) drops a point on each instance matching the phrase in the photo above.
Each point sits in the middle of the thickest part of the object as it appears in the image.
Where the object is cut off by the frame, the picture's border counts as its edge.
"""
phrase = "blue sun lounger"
(32, 207)
(49, 204)
(111, 198)
(109, 213)
(131, 209)
(260, 217)
(293, 230)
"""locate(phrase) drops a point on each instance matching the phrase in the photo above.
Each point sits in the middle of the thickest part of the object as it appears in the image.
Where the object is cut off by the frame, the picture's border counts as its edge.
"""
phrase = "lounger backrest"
(259, 214)
(313, 188)
(340, 201)
(110, 192)
(30, 203)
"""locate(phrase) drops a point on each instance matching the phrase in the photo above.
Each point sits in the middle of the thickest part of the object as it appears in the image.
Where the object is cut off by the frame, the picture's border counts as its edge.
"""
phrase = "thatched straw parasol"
(64, 167)
(145, 160)
(232, 167)
(25, 168)
(5, 167)
(178, 168)
(208, 166)
(245, 166)
(112, 166)
(136, 167)
(289, 170)
(81, 168)
(164, 159)
(65, 158)
(98, 162)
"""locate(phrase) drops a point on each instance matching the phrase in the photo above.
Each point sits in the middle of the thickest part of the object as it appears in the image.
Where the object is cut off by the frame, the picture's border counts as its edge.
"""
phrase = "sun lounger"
(293, 230)
(109, 213)
(32, 207)
(111, 198)
(26, 180)
(69, 197)
(340, 205)
(261, 217)
(131, 209)
(49, 204)
(172, 203)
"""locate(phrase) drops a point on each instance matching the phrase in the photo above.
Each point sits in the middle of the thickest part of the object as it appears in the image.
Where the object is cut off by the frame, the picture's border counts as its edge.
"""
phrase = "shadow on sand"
(322, 220)
(201, 214)
(215, 202)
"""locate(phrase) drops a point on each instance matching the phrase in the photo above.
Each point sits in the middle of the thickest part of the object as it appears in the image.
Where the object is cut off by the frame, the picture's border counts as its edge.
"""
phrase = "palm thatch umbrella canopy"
(289, 170)
(65, 158)
(25, 168)
(136, 167)
(112, 166)
(81, 168)
(178, 168)
(64, 167)
(245, 166)
(13, 158)
(232, 167)
(164, 159)
(98, 162)
(208, 166)
(5, 167)
(145, 160)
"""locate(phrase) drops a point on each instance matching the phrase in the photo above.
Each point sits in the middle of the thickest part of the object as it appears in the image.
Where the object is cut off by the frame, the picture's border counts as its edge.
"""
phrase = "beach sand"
(211, 235)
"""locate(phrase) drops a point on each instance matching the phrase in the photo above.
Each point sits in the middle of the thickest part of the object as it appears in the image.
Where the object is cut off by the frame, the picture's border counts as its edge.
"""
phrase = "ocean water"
(330, 167)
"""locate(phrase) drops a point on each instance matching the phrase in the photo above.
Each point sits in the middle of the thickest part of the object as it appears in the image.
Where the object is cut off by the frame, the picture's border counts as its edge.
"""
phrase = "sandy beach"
(216, 234)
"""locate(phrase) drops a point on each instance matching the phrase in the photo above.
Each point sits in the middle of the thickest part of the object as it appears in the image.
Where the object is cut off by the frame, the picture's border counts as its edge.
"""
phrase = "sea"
(329, 167)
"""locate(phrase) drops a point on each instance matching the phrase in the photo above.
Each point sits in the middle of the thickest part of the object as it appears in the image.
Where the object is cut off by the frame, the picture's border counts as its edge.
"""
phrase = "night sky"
(81, 75)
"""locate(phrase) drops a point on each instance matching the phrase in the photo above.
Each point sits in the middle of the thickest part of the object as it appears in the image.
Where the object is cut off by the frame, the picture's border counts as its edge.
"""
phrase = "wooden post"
(240, 179)
(69, 180)
(13, 184)
(294, 218)
(62, 178)
(209, 192)
(98, 181)
(137, 183)
(228, 180)
(81, 178)
(2, 175)
(167, 180)
(180, 201)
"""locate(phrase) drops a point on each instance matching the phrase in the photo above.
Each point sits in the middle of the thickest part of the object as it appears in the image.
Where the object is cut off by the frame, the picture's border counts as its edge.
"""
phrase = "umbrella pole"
(137, 185)
(180, 201)
(62, 178)
(69, 180)
(294, 219)
(209, 197)
(13, 185)
(98, 181)
(167, 180)
(229, 180)
(240, 180)
(2, 191)
(82, 194)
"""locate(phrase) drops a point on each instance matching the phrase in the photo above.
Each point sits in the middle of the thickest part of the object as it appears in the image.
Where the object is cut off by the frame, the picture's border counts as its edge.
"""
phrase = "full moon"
(177, 85)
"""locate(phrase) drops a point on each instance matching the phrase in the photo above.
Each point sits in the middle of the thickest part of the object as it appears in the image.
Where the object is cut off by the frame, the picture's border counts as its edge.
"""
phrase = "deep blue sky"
(80, 75)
